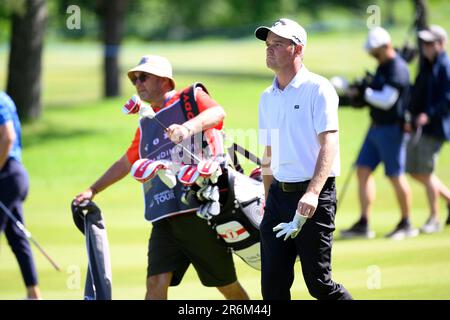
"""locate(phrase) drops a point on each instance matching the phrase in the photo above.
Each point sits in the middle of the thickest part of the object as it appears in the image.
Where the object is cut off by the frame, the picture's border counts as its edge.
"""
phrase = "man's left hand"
(307, 205)
(292, 228)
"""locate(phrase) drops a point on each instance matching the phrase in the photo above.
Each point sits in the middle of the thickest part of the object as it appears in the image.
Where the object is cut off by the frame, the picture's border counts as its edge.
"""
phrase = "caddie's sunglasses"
(142, 77)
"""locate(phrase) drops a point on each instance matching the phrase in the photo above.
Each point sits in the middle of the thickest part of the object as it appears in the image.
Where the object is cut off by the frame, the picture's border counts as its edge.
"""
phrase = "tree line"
(111, 21)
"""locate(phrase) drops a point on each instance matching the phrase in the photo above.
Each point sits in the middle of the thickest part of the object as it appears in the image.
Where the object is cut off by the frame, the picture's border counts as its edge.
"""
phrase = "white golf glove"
(292, 228)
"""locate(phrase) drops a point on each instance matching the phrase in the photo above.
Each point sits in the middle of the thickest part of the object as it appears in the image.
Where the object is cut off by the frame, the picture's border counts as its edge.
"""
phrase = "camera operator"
(386, 96)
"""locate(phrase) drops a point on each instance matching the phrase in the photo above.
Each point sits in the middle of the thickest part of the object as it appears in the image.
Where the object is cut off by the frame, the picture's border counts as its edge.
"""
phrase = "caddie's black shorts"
(176, 242)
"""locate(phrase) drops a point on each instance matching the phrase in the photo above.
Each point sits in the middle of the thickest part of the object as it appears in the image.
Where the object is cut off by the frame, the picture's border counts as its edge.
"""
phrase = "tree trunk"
(25, 59)
(112, 15)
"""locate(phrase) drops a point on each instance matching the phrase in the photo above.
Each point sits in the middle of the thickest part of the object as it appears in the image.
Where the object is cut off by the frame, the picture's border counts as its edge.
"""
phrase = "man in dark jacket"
(387, 97)
(430, 108)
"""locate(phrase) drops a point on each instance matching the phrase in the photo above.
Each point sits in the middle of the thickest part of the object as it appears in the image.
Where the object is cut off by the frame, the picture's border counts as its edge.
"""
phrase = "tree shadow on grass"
(57, 134)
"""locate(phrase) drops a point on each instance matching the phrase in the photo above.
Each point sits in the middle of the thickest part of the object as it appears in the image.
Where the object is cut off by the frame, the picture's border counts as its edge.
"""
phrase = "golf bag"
(241, 198)
(242, 205)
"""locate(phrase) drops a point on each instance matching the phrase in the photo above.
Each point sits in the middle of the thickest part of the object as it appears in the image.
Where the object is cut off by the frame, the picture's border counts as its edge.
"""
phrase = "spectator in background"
(430, 108)
(387, 97)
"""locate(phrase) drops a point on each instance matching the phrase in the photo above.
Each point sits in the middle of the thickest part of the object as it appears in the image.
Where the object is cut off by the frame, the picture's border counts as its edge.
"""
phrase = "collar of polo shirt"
(299, 78)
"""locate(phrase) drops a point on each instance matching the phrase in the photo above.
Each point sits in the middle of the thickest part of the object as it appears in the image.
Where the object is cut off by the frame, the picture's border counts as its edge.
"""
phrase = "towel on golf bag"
(88, 219)
(242, 202)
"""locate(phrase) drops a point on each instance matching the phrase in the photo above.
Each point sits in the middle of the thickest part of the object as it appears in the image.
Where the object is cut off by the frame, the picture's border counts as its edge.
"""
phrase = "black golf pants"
(13, 191)
(313, 246)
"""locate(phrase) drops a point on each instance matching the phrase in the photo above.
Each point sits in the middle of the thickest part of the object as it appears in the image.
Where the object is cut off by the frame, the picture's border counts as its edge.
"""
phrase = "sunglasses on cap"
(142, 78)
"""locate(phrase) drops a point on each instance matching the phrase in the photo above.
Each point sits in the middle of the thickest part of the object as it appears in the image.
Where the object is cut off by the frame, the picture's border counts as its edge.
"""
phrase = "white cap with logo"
(377, 38)
(285, 28)
(433, 33)
(156, 65)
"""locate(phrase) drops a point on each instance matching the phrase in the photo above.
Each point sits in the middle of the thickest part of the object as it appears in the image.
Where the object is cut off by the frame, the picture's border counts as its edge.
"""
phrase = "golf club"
(345, 186)
(28, 234)
(148, 112)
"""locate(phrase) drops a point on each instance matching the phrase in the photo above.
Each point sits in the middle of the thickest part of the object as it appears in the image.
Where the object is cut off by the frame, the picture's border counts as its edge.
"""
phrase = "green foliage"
(186, 19)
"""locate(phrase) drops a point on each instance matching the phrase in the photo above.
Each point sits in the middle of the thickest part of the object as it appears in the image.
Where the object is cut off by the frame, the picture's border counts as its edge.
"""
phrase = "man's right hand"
(87, 194)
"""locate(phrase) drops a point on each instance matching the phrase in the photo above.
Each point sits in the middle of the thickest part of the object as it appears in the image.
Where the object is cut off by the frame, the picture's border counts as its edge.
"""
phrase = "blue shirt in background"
(8, 112)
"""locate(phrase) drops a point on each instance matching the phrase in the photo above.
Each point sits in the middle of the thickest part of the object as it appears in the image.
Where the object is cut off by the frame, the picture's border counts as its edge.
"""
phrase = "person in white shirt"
(298, 125)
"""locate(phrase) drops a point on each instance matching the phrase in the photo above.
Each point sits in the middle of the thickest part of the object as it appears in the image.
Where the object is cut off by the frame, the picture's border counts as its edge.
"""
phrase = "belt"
(300, 186)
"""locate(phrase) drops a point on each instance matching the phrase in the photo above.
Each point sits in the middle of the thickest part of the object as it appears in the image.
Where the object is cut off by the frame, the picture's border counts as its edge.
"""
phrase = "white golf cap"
(433, 33)
(284, 28)
(376, 38)
(156, 65)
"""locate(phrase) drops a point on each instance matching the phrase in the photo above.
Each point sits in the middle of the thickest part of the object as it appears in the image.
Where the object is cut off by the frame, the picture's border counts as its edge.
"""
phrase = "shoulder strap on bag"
(190, 110)
(235, 148)
(188, 102)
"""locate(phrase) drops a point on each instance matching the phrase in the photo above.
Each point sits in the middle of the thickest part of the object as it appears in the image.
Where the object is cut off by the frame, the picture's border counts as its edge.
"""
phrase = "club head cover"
(79, 211)
(256, 174)
(188, 174)
(147, 111)
(208, 167)
(145, 169)
(132, 106)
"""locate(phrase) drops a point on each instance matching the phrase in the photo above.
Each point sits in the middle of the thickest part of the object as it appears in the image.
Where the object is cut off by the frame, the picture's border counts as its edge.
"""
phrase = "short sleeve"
(5, 114)
(133, 149)
(397, 75)
(263, 125)
(325, 109)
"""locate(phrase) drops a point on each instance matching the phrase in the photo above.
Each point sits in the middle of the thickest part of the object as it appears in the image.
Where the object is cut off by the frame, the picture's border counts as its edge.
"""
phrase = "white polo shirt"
(291, 120)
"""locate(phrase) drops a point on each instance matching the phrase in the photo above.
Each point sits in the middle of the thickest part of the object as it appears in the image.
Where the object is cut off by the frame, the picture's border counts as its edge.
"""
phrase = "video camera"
(408, 52)
(352, 94)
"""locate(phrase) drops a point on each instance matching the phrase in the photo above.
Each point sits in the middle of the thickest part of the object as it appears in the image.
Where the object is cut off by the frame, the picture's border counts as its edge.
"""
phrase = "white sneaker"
(403, 231)
(431, 226)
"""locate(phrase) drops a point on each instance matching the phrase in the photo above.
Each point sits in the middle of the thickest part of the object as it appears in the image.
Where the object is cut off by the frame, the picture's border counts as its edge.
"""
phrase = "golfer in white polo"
(298, 125)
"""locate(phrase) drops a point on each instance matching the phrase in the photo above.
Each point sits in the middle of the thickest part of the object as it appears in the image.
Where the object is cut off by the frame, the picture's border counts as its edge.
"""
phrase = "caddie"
(178, 238)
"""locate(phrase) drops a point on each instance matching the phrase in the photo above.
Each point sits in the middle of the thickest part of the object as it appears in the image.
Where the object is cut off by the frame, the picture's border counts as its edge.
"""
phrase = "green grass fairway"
(80, 135)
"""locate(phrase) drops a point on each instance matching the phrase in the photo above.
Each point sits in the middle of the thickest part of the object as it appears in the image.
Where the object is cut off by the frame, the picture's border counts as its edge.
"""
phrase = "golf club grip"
(45, 254)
